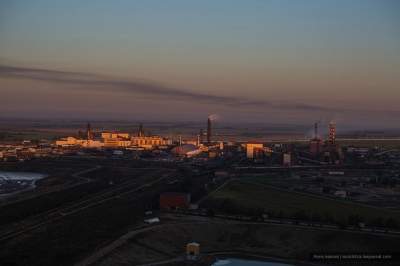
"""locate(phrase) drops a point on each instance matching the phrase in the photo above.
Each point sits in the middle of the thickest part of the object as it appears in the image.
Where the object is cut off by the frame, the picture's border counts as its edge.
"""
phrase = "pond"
(243, 262)
(15, 182)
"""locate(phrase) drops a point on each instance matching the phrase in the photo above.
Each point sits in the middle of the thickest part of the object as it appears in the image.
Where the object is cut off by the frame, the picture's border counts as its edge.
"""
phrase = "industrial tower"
(140, 132)
(332, 133)
(208, 130)
(89, 133)
(315, 142)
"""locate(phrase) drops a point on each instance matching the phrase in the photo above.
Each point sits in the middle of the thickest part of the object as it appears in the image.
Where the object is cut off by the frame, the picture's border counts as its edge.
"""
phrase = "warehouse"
(174, 200)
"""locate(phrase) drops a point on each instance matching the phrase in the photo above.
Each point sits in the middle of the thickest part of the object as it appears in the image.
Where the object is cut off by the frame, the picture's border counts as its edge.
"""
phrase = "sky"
(266, 61)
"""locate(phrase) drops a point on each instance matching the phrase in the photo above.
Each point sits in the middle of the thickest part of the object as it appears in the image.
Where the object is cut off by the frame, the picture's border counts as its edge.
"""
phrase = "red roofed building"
(173, 200)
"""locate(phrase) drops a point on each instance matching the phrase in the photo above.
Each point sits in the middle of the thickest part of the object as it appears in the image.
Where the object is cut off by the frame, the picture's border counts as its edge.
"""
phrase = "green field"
(387, 144)
(245, 197)
(168, 240)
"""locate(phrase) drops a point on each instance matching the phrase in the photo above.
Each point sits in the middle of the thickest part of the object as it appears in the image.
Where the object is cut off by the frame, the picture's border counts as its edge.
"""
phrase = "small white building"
(192, 251)
(287, 159)
(152, 220)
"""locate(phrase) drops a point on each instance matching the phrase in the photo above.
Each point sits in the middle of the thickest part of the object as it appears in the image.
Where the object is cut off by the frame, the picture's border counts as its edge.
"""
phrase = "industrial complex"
(197, 190)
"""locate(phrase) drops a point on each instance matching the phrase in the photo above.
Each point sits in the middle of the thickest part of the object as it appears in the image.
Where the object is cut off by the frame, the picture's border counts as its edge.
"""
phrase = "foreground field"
(240, 197)
(165, 242)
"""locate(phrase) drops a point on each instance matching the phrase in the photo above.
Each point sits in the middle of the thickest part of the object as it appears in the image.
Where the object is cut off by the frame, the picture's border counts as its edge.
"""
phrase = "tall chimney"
(332, 133)
(201, 136)
(140, 132)
(208, 130)
(316, 130)
(89, 134)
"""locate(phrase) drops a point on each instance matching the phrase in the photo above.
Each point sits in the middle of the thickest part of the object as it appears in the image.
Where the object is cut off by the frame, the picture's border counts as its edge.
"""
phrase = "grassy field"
(169, 240)
(388, 144)
(244, 196)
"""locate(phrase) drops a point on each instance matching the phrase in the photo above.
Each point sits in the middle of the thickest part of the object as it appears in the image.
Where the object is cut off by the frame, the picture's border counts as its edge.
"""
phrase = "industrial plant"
(170, 194)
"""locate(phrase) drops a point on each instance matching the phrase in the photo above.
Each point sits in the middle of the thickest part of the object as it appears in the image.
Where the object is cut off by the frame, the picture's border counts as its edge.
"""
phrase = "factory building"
(192, 251)
(149, 142)
(287, 159)
(109, 135)
(188, 150)
(253, 149)
(86, 143)
(114, 140)
(174, 200)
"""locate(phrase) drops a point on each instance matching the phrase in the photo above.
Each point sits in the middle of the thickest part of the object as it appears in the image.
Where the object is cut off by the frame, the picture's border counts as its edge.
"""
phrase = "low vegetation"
(241, 197)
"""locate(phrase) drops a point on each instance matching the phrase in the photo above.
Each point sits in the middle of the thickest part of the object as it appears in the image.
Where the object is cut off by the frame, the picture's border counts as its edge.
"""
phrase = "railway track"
(118, 191)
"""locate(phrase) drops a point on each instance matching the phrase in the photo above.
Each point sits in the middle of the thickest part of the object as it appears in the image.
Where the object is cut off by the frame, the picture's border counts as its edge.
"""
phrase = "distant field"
(30, 135)
(385, 143)
(244, 196)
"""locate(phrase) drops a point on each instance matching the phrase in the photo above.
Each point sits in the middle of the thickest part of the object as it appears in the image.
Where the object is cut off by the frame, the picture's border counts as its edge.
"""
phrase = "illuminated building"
(113, 140)
(252, 148)
(221, 145)
(332, 133)
(108, 135)
(188, 150)
(149, 142)
(287, 159)
(192, 251)
(86, 143)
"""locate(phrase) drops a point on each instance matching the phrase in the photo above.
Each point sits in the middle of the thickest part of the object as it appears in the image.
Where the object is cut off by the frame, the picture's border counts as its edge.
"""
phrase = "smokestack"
(332, 133)
(201, 136)
(140, 132)
(316, 130)
(89, 134)
(209, 130)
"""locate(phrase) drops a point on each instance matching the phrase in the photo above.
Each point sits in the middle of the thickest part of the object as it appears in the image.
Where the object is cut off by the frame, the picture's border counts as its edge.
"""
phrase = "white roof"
(152, 220)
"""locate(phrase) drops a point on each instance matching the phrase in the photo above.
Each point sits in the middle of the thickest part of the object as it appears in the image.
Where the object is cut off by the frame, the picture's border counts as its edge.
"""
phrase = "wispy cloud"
(91, 81)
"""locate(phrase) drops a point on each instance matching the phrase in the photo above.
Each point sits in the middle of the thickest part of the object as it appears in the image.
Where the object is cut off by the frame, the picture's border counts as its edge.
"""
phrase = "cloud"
(93, 81)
